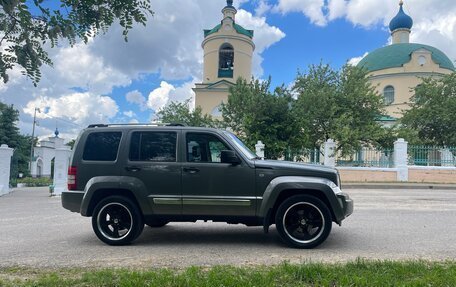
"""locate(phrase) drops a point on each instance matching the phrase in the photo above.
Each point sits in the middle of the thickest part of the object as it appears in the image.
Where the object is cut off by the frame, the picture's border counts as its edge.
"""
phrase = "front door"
(210, 187)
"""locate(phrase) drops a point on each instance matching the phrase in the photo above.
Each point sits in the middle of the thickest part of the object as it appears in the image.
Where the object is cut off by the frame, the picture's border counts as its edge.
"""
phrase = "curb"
(392, 185)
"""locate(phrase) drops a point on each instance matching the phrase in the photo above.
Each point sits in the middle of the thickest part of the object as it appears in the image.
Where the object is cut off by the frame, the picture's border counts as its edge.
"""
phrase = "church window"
(226, 61)
(388, 95)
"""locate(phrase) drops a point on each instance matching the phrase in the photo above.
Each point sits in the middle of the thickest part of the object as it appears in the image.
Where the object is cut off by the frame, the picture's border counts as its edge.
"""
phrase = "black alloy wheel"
(303, 221)
(116, 220)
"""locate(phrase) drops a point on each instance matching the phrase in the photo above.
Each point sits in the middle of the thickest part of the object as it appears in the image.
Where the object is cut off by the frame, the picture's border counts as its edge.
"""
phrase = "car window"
(102, 146)
(153, 146)
(204, 148)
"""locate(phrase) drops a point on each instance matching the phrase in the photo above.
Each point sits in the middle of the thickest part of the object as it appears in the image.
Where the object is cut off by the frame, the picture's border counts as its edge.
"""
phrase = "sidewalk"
(397, 185)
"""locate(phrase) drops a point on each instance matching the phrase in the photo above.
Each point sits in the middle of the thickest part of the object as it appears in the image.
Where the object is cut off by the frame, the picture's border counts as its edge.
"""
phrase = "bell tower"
(228, 50)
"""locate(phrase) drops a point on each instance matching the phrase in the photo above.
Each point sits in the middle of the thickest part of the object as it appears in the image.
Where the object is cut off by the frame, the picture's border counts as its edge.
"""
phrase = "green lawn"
(359, 273)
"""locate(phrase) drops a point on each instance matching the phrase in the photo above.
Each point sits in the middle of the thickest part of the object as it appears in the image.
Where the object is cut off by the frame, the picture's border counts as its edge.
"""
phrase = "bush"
(35, 181)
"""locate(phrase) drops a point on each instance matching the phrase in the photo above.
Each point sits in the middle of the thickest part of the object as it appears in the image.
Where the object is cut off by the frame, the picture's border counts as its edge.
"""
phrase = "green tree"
(71, 143)
(179, 112)
(339, 105)
(432, 114)
(254, 113)
(9, 134)
(27, 26)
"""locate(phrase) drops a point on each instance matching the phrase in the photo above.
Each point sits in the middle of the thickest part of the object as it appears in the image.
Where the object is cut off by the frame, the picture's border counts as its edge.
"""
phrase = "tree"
(432, 113)
(179, 112)
(27, 26)
(71, 143)
(339, 105)
(254, 113)
(9, 134)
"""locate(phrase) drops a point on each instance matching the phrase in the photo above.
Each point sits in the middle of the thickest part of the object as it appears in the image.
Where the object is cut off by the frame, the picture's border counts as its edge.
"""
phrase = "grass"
(358, 273)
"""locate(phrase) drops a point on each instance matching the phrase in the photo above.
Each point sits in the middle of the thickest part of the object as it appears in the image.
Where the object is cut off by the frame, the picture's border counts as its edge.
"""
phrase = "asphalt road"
(387, 224)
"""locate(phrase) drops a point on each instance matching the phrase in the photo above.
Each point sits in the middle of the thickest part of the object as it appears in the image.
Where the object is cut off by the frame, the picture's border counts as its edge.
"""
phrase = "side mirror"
(229, 156)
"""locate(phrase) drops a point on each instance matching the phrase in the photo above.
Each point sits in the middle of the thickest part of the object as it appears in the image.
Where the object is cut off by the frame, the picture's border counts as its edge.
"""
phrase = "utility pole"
(33, 138)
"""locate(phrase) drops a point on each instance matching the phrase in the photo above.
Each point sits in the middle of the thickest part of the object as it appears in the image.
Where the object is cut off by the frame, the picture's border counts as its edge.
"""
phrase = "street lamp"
(33, 137)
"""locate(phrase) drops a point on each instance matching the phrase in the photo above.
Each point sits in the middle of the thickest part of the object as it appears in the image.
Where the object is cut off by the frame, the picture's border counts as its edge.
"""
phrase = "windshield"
(239, 144)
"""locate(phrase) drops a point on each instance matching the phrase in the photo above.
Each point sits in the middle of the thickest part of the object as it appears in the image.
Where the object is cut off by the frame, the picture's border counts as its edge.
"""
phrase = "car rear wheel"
(303, 221)
(116, 220)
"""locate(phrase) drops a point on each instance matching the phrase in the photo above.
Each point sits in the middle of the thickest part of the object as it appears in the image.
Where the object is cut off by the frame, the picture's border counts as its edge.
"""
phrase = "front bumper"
(72, 200)
(346, 204)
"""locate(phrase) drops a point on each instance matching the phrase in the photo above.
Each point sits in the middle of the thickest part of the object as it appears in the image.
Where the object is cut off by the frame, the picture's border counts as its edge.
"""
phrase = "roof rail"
(137, 124)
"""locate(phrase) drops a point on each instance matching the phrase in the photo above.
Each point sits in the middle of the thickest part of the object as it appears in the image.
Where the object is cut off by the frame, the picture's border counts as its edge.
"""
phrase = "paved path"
(387, 224)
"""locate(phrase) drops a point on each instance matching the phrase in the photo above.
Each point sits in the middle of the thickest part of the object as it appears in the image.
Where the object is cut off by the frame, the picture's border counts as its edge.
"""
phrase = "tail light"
(72, 170)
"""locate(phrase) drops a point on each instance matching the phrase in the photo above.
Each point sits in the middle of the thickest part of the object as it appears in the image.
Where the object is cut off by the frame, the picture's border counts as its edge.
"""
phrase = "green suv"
(125, 176)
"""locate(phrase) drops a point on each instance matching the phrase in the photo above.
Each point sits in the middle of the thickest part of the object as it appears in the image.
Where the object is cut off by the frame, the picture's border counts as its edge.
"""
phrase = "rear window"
(102, 146)
(153, 146)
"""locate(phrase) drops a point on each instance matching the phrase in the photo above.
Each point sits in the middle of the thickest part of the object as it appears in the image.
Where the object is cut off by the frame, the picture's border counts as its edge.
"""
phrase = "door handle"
(132, 168)
(191, 170)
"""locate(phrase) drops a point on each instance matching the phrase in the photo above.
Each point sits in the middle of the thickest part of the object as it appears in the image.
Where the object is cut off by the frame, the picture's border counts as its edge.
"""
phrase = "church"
(395, 70)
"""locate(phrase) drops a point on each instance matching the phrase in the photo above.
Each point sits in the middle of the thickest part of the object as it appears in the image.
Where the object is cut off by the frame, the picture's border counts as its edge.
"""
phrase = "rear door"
(152, 158)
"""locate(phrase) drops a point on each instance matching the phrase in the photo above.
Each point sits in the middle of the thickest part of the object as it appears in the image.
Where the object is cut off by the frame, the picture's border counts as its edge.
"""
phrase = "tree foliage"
(9, 135)
(339, 105)
(254, 113)
(27, 26)
(432, 114)
(179, 112)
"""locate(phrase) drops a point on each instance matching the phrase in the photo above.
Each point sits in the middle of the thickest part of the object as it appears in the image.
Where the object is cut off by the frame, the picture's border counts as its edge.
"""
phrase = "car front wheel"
(116, 220)
(303, 221)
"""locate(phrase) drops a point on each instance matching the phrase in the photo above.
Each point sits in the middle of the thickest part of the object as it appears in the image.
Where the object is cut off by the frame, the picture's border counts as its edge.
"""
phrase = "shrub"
(35, 181)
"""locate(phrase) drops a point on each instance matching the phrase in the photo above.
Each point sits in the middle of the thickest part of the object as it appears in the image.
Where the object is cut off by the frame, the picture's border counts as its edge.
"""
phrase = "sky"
(113, 81)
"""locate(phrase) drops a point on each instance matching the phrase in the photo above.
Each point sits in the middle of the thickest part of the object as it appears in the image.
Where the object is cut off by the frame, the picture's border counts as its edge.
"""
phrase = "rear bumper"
(72, 200)
(346, 204)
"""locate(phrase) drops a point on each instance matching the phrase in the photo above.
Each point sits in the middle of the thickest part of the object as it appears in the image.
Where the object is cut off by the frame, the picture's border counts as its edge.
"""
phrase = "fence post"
(259, 149)
(400, 159)
(5, 166)
(330, 153)
(62, 156)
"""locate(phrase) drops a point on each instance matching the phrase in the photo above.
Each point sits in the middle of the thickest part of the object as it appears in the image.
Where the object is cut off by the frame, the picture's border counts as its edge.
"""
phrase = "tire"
(116, 220)
(303, 221)
(157, 223)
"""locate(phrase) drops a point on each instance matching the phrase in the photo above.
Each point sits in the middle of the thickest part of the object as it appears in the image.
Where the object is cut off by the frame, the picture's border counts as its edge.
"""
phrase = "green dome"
(396, 55)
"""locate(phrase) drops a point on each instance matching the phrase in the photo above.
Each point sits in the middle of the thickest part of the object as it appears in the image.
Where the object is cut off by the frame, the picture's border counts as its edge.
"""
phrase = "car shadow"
(207, 234)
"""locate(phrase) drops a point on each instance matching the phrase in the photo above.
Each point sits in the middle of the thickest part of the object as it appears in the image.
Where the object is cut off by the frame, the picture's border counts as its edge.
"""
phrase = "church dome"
(401, 20)
(396, 55)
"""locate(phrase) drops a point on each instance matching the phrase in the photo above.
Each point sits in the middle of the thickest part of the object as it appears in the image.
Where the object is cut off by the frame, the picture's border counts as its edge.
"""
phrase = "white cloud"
(313, 9)
(337, 9)
(159, 97)
(354, 61)
(129, 114)
(262, 7)
(78, 67)
(81, 108)
(265, 36)
(168, 93)
(136, 97)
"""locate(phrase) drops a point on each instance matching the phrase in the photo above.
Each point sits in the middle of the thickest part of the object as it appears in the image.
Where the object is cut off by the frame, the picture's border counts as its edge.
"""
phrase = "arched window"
(226, 61)
(388, 95)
